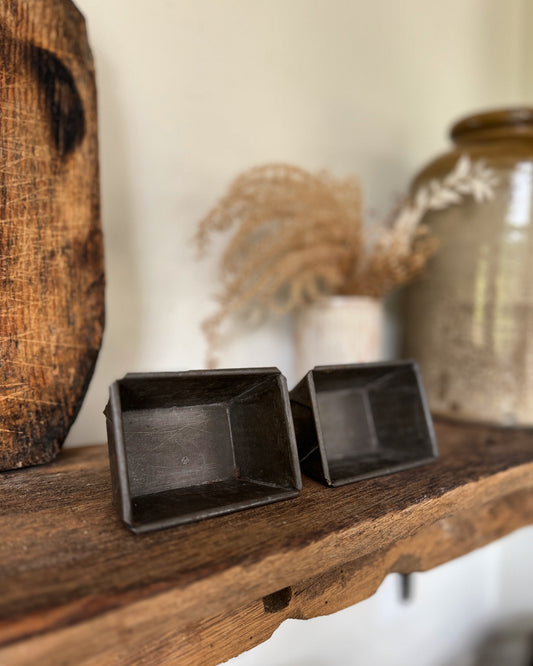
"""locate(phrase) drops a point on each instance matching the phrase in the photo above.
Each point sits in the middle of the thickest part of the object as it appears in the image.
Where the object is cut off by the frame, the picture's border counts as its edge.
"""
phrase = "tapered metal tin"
(357, 421)
(190, 445)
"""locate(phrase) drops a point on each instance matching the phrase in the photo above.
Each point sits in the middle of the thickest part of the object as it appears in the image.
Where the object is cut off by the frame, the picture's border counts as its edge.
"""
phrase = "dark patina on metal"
(354, 422)
(189, 445)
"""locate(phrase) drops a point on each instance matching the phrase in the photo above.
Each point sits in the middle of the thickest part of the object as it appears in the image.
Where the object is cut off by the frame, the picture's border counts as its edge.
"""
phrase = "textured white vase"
(338, 329)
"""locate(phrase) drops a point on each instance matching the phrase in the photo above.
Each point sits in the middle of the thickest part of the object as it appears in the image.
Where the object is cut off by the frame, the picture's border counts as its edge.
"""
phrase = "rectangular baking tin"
(357, 421)
(189, 445)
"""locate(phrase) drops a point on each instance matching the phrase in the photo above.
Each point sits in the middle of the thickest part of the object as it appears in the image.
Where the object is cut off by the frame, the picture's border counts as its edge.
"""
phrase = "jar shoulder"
(500, 155)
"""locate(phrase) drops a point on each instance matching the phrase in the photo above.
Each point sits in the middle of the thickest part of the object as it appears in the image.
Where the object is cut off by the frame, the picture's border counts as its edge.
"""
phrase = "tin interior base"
(209, 499)
(178, 446)
(347, 423)
(351, 440)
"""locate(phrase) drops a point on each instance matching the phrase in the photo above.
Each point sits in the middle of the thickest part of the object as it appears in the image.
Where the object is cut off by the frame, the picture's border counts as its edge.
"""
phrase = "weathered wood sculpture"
(51, 256)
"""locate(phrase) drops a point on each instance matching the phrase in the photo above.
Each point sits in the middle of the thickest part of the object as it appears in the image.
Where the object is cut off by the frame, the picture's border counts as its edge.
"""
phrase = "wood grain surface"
(51, 256)
(79, 588)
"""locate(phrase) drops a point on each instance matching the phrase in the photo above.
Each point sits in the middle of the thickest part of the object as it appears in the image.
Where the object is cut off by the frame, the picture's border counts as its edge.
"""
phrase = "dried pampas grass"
(299, 235)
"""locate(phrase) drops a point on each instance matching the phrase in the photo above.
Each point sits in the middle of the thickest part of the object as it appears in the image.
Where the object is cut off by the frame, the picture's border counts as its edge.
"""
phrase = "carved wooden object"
(51, 258)
(79, 588)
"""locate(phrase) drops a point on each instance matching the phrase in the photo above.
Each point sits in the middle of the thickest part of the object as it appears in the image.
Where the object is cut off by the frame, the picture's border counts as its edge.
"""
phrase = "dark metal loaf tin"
(353, 422)
(189, 445)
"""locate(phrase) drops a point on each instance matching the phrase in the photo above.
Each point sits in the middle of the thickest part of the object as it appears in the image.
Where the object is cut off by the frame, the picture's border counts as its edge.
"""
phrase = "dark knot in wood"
(277, 601)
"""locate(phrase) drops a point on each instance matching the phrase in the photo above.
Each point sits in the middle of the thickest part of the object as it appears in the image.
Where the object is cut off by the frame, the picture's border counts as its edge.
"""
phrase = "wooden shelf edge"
(147, 632)
(162, 606)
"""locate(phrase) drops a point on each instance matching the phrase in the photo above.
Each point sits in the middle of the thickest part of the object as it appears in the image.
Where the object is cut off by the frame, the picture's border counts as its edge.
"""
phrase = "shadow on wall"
(510, 644)
(505, 644)
(123, 307)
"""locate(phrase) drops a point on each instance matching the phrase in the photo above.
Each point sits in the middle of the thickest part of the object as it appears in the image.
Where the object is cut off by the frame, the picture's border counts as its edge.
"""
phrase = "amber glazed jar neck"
(514, 124)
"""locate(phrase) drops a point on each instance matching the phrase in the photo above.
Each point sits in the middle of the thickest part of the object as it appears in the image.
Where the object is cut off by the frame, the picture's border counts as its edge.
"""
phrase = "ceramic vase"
(338, 329)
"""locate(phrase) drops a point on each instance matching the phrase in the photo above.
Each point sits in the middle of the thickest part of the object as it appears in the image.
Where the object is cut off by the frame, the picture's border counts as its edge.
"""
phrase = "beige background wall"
(193, 91)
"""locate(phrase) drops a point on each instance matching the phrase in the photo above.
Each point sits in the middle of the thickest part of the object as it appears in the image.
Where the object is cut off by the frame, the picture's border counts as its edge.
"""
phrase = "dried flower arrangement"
(301, 235)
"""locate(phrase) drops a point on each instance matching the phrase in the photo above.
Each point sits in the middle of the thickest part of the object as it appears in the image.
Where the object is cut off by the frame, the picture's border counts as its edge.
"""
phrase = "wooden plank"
(51, 252)
(76, 583)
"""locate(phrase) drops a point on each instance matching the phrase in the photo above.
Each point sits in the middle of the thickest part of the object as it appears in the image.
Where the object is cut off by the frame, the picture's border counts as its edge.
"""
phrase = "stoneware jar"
(469, 319)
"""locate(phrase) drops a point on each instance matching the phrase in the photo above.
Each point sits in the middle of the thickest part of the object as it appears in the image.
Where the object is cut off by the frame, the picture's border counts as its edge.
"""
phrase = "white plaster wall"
(515, 580)
(191, 92)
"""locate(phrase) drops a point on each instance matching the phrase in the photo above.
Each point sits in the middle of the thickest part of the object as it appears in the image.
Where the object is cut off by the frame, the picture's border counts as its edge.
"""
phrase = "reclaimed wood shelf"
(78, 588)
